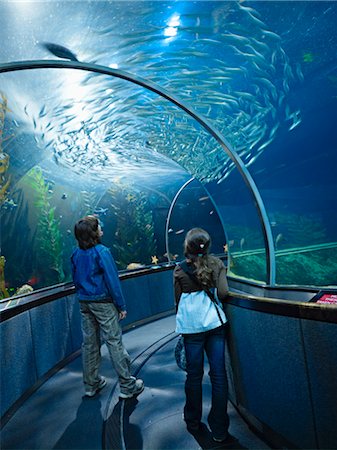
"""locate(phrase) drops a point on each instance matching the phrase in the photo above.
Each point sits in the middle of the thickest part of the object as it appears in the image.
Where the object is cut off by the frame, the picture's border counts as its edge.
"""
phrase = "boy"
(102, 306)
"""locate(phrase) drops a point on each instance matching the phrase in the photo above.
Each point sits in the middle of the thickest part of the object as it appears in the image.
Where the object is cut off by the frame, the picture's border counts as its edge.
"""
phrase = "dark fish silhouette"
(59, 51)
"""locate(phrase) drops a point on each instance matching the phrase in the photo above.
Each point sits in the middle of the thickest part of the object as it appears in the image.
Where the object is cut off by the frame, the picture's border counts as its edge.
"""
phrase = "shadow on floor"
(120, 433)
(84, 431)
(204, 438)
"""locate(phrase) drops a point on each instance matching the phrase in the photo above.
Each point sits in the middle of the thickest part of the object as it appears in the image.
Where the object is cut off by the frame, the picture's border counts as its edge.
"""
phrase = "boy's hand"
(122, 315)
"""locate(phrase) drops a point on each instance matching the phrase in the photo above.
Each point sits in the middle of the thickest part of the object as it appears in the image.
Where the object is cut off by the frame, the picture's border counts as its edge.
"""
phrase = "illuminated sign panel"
(326, 297)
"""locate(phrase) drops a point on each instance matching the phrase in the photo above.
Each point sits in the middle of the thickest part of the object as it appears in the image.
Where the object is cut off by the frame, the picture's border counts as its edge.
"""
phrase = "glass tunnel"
(157, 117)
(75, 142)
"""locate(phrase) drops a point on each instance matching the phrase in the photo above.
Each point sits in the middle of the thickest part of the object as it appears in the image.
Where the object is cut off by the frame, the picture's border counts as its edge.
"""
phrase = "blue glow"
(173, 24)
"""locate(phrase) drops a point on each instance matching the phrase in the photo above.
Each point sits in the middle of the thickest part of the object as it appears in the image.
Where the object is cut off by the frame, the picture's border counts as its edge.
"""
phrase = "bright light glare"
(22, 10)
(170, 32)
(173, 24)
(174, 21)
(76, 93)
(23, 3)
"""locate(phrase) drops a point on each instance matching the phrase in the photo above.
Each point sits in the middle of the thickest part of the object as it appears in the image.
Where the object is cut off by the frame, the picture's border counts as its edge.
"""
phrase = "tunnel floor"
(57, 416)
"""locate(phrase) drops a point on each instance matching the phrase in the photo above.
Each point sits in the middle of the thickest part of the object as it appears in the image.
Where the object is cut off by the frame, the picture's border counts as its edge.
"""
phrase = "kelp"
(89, 200)
(3, 290)
(48, 236)
(17, 239)
(5, 178)
(134, 240)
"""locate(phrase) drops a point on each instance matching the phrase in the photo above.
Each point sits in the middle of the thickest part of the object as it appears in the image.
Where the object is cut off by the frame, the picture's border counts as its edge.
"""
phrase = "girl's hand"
(122, 315)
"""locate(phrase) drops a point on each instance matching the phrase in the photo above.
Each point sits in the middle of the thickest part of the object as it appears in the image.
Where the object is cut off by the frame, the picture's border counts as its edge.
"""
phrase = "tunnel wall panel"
(74, 319)
(135, 291)
(161, 292)
(36, 341)
(50, 335)
(18, 368)
(321, 352)
(270, 373)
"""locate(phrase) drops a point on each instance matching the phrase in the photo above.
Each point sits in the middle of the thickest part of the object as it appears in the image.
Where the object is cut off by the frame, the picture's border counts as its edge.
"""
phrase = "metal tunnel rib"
(170, 213)
(48, 64)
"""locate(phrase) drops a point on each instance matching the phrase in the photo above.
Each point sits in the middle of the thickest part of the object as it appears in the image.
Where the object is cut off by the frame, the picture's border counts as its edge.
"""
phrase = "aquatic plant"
(308, 57)
(300, 230)
(17, 238)
(249, 266)
(3, 291)
(299, 250)
(300, 266)
(5, 179)
(48, 235)
(89, 200)
(312, 268)
(134, 240)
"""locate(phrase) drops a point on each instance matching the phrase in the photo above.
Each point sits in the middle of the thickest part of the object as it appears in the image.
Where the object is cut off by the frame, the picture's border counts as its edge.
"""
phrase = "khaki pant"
(101, 319)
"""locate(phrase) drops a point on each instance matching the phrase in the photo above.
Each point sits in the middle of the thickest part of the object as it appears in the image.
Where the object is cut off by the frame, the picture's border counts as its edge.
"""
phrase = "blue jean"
(213, 343)
(103, 318)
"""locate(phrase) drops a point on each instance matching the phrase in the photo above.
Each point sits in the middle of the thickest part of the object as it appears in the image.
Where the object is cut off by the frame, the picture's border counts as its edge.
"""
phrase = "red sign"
(328, 298)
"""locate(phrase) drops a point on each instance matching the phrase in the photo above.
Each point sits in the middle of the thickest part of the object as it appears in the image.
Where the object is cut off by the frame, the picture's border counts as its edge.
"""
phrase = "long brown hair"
(196, 248)
(87, 232)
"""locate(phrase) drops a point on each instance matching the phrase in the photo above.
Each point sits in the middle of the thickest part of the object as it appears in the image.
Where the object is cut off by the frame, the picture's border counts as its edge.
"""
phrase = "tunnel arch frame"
(149, 85)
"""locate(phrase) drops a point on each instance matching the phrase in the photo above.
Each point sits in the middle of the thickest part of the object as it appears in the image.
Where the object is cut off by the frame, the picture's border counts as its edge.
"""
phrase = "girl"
(202, 325)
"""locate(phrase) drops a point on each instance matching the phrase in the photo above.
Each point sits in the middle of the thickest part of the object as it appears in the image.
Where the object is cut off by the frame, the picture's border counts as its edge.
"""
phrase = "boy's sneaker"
(92, 392)
(136, 390)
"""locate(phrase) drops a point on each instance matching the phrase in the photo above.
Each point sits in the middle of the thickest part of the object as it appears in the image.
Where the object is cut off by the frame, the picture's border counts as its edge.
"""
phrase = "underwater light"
(174, 21)
(170, 31)
(75, 93)
(173, 25)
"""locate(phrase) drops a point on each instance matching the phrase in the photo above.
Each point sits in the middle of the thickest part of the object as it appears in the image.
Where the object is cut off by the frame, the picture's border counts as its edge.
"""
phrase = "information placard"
(326, 297)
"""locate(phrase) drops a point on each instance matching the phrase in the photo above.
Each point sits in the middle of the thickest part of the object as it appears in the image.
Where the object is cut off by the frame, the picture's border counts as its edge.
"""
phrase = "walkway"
(57, 416)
